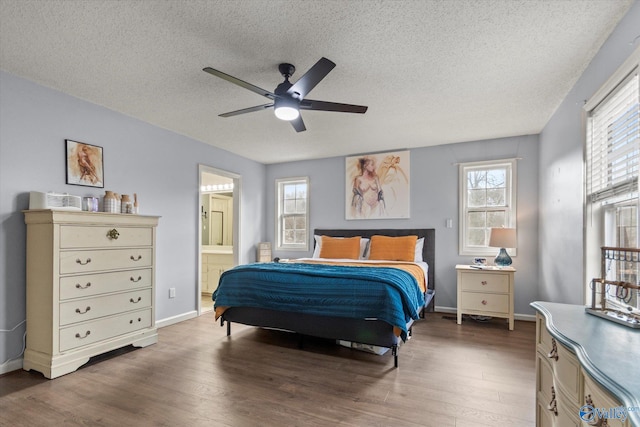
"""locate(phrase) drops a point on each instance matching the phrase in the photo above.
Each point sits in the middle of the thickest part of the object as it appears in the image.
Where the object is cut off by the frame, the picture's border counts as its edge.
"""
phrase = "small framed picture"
(85, 165)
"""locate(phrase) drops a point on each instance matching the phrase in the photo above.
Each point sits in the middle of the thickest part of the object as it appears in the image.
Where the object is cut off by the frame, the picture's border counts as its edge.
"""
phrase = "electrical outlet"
(172, 292)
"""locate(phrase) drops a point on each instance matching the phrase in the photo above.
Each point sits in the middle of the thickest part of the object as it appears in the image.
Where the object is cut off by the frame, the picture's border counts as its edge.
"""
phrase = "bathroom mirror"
(217, 213)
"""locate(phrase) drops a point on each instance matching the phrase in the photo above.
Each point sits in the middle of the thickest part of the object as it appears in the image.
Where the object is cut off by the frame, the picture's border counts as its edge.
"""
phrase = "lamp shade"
(503, 238)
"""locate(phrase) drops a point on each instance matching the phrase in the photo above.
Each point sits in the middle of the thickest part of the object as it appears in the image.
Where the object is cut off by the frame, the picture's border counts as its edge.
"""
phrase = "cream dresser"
(90, 286)
(485, 292)
(587, 372)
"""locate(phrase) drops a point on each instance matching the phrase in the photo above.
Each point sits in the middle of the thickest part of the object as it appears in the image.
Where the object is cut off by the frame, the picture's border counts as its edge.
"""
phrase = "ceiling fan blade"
(241, 83)
(310, 104)
(246, 110)
(298, 124)
(312, 77)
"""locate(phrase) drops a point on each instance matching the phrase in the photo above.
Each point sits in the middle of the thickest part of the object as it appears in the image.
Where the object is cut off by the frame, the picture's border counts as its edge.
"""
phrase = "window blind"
(613, 142)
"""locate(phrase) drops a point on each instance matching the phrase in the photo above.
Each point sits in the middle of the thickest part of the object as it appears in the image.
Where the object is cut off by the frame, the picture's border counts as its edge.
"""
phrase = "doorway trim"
(237, 192)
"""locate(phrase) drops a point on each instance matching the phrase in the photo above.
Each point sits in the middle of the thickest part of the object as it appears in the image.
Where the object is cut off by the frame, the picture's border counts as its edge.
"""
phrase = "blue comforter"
(383, 293)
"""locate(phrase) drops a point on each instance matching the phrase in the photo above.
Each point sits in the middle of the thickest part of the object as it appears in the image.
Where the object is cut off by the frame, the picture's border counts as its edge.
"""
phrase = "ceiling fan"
(288, 99)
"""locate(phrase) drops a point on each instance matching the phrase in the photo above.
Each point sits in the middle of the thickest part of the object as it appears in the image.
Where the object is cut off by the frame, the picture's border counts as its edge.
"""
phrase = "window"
(487, 200)
(613, 142)
(612, 151)
(292, 216)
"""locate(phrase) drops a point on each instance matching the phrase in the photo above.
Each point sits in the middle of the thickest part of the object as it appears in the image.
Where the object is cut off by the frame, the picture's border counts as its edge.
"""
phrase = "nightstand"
(486, 291)
(263, 252)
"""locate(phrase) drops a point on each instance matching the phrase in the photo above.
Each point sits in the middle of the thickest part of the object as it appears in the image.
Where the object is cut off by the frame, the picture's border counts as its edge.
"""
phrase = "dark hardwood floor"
(477, 374)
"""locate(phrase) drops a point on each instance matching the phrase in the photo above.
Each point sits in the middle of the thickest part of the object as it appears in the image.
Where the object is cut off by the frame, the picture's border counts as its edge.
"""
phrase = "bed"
(323, 316)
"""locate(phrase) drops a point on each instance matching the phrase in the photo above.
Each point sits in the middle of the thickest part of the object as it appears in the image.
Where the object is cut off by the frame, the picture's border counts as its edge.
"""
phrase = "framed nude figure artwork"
(377, 186)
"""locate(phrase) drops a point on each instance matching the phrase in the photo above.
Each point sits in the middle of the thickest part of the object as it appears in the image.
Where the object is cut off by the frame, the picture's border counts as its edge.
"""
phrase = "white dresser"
(90, 286)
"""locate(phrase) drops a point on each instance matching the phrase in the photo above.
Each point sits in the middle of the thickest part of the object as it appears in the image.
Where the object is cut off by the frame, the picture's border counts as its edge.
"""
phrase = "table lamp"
(503, 238)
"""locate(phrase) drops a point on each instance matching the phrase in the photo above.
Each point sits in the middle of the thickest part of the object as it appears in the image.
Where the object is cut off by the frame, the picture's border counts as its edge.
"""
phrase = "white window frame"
(600, 205)
(464, 248)
(280, 245)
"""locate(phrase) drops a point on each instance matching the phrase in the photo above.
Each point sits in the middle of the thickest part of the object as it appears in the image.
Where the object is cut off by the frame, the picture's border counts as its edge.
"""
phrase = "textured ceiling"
(431, 72)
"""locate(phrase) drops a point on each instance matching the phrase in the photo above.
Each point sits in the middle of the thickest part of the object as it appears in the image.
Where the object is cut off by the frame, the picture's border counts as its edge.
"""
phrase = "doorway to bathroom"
(218, 232)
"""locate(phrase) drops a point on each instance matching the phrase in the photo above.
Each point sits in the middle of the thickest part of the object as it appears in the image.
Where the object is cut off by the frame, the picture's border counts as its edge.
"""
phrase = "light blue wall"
(434, 199)
(158, 165)
(562, 168)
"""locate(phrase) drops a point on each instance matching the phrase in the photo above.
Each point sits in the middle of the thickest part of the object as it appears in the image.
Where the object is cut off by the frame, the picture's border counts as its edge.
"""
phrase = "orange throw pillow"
(340, 247)
(387, 248)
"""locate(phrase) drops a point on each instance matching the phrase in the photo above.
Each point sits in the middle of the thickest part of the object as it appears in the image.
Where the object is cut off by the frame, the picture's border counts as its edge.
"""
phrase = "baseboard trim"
(516, 316)
(441, 309)
(525, 317)
(176, 319)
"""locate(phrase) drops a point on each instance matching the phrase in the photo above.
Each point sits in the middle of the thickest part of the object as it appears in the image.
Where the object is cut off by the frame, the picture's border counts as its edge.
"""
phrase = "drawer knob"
(138, 258)
(135, 280)
(136, 301)
(86, 334)
(113, 234)
(553, 405)
(83, 312)
(592, 418)
(553, 354)
(79, 261)
(484, 302)
(484, 283)
(79, 286)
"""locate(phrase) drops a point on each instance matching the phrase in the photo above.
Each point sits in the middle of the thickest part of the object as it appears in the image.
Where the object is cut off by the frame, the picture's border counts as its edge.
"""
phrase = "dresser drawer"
(86, 261)
(98, 236)
(544, 381)
(564, 365)
(567, 371)
(479, 301)
(101, 329)
(543, 337)
(91, 308)
(484, 282)
(601, 399)
(554, 406)
(95, 284)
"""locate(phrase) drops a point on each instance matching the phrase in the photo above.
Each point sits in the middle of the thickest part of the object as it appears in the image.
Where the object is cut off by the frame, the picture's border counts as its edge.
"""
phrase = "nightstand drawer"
(484, 282)
(478, 301)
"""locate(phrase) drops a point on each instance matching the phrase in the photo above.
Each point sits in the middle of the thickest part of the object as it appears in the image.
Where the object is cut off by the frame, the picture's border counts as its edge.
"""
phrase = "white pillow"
(364, 246)
(419, 246)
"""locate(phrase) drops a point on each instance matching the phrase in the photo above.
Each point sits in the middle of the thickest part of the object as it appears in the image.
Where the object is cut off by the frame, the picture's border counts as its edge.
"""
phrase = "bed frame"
(372, 332)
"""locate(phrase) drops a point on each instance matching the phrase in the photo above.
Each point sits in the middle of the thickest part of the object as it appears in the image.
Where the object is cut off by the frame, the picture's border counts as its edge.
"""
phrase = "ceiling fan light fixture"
(287, 113)
(286, 109)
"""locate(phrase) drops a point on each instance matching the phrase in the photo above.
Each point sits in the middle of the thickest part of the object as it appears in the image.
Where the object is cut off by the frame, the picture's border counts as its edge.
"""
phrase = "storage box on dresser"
(90, 286)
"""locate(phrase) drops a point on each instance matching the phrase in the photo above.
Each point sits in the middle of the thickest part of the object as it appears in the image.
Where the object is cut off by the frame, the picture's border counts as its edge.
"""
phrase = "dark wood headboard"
(428, 250)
